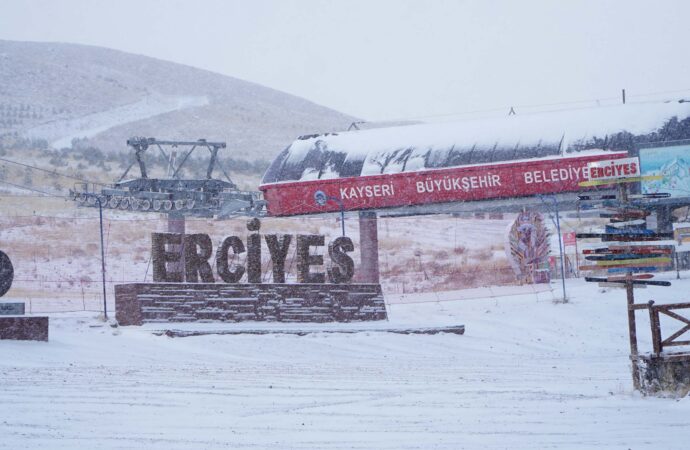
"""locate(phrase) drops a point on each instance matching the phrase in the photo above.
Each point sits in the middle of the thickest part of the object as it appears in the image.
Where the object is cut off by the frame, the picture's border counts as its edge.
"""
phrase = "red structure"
(435, 168)
(457, 184)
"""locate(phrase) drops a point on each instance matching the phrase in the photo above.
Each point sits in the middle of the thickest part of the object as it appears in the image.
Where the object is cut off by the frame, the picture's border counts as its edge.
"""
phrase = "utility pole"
(557, 222)
(100, 216)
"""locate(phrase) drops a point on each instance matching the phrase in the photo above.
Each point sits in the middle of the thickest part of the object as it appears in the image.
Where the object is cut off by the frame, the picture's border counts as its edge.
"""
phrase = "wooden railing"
(655, 311)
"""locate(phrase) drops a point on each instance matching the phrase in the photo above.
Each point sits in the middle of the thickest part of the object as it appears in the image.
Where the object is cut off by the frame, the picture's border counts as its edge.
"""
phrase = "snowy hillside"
(60, 132)
(62, 91)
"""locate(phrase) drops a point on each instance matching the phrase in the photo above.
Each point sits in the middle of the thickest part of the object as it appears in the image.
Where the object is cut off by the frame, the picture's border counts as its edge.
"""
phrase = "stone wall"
(140, 303)
(665, 374)
(24, 328)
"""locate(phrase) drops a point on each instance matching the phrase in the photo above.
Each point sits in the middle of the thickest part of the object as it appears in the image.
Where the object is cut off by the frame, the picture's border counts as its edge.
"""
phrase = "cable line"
(32, 189)
(52, 172)
(542, 105)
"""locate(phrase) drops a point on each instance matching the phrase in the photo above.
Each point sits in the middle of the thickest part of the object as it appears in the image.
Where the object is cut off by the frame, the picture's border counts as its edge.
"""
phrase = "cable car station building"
(502, 164)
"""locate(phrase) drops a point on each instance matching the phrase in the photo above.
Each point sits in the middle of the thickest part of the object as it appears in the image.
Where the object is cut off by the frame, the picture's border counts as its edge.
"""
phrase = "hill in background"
(57, 92)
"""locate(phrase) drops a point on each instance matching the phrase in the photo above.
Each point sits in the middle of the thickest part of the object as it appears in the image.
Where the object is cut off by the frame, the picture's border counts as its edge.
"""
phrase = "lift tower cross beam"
(141, 144)
(199, 197)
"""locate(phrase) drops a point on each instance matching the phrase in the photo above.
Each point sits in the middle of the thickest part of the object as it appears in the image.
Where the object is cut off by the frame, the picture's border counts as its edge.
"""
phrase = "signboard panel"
(569, 239)
(11, 309)
(672, 164)
(527, 247)
(613, 169)
(681, 233)
(473, 183)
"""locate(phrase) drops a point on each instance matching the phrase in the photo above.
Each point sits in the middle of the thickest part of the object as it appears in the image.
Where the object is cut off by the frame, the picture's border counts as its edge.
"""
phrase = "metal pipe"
(321, 199)
(342, 212)
(100, 215)
(560, 249)
(560, 243)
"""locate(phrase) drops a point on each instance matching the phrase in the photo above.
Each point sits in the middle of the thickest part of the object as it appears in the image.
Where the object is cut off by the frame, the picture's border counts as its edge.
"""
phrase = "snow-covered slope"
(61, 132)
(62, 91)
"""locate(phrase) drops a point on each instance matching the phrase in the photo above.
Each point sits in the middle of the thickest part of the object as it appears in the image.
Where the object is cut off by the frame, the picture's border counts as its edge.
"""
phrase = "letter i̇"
(254, 252)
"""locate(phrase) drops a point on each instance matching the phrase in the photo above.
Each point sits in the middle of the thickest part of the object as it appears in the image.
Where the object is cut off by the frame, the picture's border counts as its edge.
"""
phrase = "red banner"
(569, 239)
(458, 184)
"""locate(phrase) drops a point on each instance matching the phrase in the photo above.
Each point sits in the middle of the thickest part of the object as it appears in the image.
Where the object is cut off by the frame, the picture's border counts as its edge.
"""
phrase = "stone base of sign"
(23, 328)
(665, 374)
(449, 329)
(140, 303)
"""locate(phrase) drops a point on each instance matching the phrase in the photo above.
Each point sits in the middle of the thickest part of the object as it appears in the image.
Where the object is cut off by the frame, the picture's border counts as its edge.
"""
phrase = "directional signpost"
(624, 257)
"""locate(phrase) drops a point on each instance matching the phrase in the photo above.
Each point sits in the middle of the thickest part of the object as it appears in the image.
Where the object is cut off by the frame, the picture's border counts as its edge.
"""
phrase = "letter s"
(343, 267)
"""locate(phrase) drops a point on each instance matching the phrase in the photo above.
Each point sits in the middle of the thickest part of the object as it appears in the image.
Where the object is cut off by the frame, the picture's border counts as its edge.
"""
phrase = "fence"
(655, 312)
(55, 249)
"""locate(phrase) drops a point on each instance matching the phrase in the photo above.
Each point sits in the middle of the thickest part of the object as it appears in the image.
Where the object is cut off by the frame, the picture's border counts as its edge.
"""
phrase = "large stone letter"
(160, 256)
(304, 259)
(224, 272)
(278, 249)
(343, 267)
(196, 263)
(6, 275)
(254, 252)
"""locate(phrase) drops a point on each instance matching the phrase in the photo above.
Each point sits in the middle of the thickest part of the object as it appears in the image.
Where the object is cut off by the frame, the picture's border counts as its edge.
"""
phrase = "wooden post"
(656, 328)
(368, 247)
(577, 261)
(632, 329)
(623, 192)
(664, 219)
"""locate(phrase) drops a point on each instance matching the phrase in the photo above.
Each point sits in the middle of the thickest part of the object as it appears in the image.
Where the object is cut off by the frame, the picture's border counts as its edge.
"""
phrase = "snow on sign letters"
(457, 184)
(614, 169)
(373, 190)
(198, 250)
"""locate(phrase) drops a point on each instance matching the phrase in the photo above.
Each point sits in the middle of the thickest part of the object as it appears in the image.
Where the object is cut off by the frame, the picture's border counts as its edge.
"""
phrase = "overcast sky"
(394, 59)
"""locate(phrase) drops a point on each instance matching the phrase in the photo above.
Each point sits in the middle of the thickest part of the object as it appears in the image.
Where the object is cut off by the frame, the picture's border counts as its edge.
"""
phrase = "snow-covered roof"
(439, 145)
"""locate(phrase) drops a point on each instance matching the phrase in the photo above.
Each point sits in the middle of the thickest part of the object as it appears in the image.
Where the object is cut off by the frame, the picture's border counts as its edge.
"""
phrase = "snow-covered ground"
(527, 374)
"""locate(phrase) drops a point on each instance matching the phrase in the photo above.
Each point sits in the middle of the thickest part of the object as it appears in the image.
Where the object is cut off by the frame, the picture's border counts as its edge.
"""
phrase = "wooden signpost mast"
(630, 250)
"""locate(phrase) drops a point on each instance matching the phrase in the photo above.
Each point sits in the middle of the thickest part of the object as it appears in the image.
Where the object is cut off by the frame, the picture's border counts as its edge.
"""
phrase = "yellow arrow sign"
(640, 261)
(619, 180)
